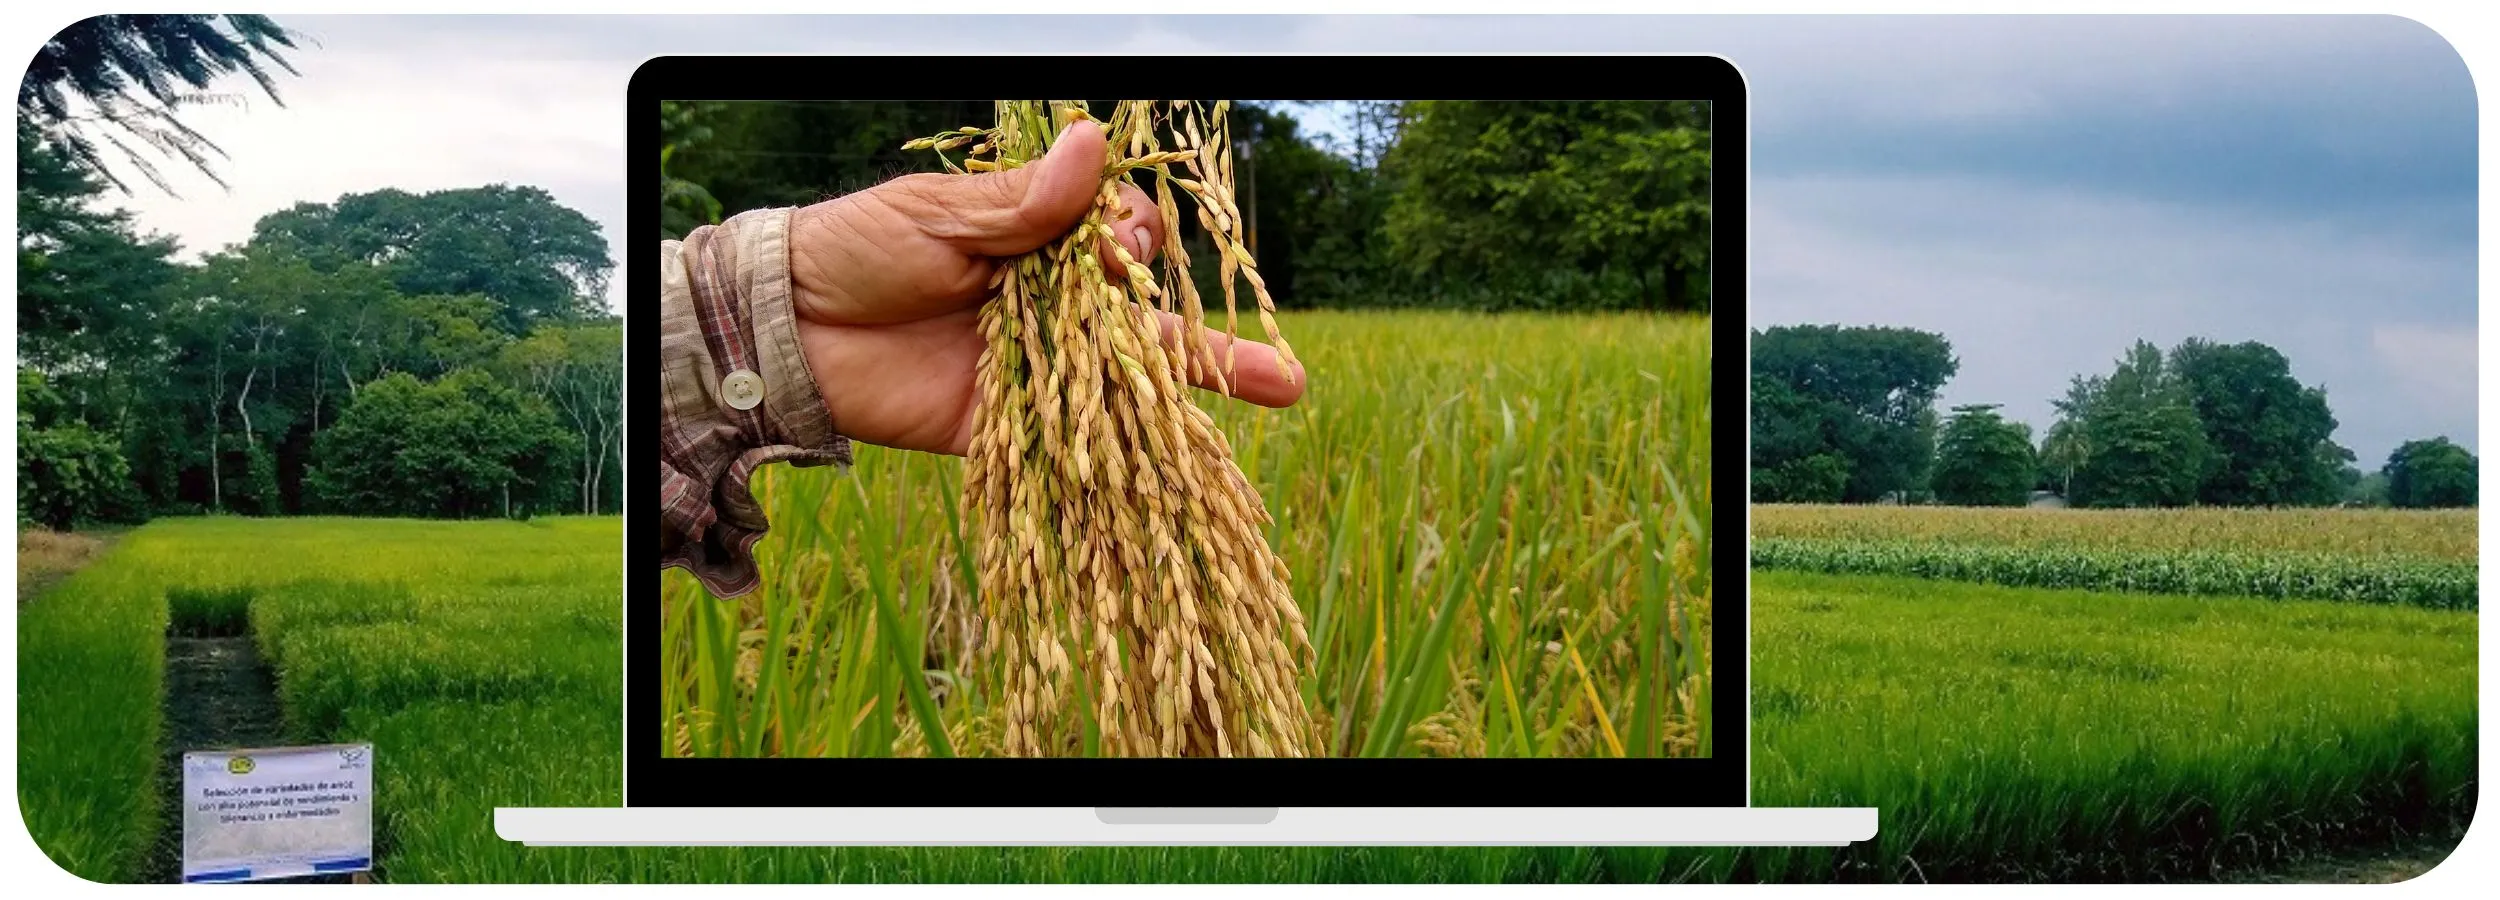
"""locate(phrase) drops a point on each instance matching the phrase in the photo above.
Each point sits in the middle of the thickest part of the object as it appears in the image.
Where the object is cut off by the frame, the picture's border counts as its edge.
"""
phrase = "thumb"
(1011, 212)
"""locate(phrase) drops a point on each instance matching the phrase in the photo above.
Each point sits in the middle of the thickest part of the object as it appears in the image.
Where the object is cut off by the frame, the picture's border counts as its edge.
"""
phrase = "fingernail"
(1145, 243)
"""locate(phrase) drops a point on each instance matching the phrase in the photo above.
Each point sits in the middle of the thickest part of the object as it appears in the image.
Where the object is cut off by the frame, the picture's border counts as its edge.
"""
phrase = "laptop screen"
(1091, 438)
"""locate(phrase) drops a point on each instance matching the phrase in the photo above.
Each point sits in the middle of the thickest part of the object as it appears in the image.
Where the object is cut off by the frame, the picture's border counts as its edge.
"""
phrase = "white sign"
(249, 815)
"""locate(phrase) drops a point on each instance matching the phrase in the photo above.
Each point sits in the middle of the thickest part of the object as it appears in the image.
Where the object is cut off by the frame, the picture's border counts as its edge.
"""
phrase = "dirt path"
(217, 695)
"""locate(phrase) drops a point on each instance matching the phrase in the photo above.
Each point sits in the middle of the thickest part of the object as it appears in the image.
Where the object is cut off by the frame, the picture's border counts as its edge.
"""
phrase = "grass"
(2046, 734)
(1497, 529)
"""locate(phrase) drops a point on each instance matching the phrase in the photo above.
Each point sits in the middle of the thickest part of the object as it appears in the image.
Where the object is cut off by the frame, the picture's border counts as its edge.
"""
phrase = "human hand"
(887, 284)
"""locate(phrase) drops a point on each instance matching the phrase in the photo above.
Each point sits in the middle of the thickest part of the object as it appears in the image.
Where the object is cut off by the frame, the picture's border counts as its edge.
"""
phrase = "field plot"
(2416, 558)
(2006, 733)
(367, 625)
(1539, 485)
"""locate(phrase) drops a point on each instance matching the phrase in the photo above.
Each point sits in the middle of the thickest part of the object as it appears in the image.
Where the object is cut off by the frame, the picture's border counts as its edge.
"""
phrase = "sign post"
(253, 815)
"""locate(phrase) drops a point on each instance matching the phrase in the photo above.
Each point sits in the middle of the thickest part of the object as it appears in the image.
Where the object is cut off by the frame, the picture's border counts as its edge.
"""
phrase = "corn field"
(2409, 558)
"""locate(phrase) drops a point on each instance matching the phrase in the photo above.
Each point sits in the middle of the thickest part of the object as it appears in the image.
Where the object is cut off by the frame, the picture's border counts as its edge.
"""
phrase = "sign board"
(250, 815)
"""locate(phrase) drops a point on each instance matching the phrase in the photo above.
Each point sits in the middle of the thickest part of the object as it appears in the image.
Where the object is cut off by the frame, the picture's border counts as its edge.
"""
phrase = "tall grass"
(1498, 529)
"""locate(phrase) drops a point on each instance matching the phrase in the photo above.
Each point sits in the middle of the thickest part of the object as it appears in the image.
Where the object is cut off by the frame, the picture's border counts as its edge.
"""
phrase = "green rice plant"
(2042, 735)
(1498, 526)
(208, 612)
(329, 601)
(2413, 582)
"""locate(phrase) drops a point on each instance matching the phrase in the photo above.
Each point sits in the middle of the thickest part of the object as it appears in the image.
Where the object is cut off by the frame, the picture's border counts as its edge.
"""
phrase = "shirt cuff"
(737, 394)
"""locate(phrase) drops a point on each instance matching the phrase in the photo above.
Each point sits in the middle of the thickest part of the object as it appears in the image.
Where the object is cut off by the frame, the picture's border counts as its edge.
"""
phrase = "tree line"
(1846, 414)
(1454, 204)
(389, 353)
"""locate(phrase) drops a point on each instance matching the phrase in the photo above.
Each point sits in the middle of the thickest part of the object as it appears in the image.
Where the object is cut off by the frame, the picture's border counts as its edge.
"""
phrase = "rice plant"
(1498, 526)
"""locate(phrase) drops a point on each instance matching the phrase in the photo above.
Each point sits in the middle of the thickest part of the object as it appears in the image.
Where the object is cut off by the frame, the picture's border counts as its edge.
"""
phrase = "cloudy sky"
(2042, 191)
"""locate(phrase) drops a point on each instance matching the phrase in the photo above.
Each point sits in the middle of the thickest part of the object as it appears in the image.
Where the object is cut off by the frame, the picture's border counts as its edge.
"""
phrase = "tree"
(67, 472)
(684, 204)
(2370, 490)
(2136, 433)
(123, 79)
(2430, 474)
(461, 446)
(2268, 432)
(536, 260)
(1983, 460)
(1505, 196)
(1793, 459)
(1862, 395)
(85, 276)
(579, 371)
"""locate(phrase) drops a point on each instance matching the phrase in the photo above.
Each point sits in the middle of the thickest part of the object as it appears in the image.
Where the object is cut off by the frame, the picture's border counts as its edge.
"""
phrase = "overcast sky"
(2039, 190)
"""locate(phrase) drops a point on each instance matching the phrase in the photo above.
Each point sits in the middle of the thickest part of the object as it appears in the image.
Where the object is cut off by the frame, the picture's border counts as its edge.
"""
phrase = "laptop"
(689, 781)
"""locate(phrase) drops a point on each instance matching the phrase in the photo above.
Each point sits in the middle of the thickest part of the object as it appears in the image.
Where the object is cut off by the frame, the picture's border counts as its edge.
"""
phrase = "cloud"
(2036, 284)
(2434, 369)
(2041, 189)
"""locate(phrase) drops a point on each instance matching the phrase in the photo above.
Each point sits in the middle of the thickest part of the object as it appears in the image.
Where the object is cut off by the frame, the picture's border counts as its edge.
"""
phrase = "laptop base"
(1185, 826)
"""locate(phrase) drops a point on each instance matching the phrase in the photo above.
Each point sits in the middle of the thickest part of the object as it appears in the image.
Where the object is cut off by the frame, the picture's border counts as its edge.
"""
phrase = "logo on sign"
(241, 765)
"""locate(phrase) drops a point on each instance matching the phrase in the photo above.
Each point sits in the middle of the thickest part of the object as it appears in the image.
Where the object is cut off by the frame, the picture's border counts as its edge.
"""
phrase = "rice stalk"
(1132, 605)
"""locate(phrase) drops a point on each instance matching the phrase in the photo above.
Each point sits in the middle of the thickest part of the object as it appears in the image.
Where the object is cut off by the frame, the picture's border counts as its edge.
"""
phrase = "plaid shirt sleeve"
(736, 394)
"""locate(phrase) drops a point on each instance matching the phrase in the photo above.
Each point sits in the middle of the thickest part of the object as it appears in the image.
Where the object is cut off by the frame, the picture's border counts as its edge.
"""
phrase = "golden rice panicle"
(1132, 605)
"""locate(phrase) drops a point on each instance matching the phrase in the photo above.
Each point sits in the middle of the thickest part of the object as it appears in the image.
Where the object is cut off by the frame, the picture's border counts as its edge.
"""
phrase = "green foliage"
(1611, 199)
(460, 446)
(534, 259)
(1983, 460)
(2136, 434)
(2411, 582)
(214, 381)
(84, 275)
(2268, 432)
(1862, 396)
(2369, 491)
(122, 80)
(67, 473)
(684, 205)
(1496, 197)
(2429, 474)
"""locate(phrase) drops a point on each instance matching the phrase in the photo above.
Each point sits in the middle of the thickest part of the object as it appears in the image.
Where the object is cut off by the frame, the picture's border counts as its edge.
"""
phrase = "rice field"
(2006, 733)
(1497, 529)
(361, 621)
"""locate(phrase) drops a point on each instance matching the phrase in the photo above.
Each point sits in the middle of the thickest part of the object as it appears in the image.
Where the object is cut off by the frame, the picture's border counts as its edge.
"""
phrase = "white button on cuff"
(743, 389)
